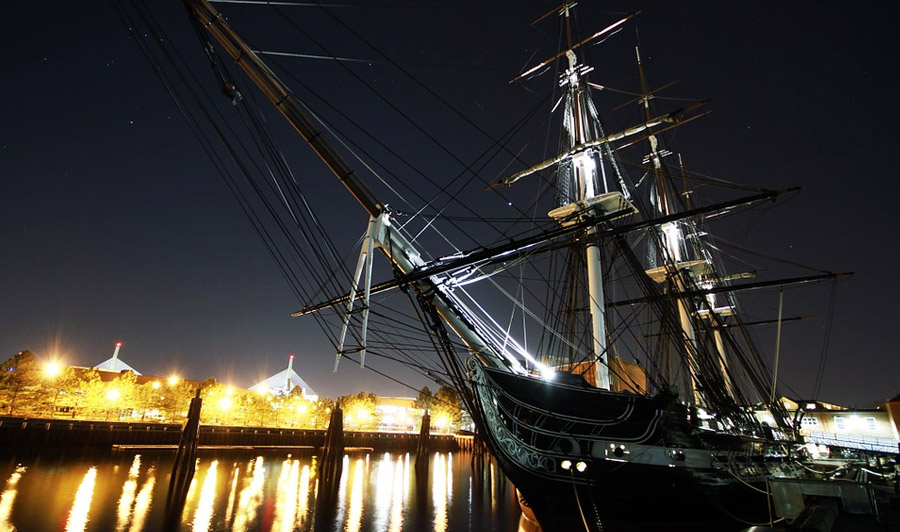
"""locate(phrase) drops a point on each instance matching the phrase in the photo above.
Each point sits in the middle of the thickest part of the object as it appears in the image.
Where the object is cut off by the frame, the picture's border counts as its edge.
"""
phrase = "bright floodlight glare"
(566, 464)
(113, 394)
(52, 369)
(581, 466)
(546, 372)
(173, 380)
(155, 385)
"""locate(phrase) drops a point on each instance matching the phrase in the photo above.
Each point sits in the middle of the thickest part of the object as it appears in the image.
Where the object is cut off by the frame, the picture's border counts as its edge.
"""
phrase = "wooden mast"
(388, 239)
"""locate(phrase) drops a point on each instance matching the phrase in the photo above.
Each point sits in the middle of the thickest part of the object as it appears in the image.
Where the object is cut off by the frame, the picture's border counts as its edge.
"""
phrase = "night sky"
(115, 227)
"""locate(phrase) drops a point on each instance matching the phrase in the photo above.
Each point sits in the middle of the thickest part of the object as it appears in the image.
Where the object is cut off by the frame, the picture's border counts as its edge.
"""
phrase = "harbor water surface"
(252, 491)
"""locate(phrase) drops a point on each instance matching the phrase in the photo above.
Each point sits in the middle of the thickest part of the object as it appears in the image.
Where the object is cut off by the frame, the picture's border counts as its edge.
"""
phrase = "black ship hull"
(584, 458)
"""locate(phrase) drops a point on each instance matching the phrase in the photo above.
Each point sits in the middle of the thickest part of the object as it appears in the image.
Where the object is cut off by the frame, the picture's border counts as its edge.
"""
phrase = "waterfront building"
(830, 426)
(397, 414)
(115, 364)
(109, 376)
(283, 382)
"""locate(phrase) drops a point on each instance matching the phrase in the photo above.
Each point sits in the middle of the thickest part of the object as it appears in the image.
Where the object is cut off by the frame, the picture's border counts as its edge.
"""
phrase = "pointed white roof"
(283, 382)
(115, 364)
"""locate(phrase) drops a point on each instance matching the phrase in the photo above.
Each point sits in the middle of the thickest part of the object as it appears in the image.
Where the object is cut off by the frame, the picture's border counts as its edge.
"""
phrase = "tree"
(208, 385)
(20, 379)
(120, 393)
(359, 410)
(300, 410)
(61, 390)
(256, 408)
(447, 408)
(90, 394)
(175, 399)
(425, 399)
(150, 399)
(219, 402)
(322, 412)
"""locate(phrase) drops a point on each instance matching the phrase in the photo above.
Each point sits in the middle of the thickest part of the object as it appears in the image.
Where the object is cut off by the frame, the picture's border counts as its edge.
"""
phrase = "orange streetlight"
(112, 395)
(443, 423)
(52, 370)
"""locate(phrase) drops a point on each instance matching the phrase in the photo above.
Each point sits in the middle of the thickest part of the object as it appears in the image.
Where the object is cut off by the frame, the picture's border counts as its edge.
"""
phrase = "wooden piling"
(183, 467)
(332, 461)
(330, 468)
(422, 446)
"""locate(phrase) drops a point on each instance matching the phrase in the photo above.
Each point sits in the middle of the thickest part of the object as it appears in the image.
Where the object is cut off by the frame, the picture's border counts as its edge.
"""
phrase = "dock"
(26, 433)
(297, 448)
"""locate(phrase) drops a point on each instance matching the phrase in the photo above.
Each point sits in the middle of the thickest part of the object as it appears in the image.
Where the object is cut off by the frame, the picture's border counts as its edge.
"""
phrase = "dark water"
(248, 491)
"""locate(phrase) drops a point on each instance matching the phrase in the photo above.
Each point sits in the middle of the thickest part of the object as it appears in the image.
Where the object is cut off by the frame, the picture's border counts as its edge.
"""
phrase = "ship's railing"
(878, 444)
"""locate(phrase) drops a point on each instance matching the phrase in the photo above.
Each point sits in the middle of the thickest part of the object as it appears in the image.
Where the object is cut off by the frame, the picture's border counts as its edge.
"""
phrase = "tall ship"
(596, 336)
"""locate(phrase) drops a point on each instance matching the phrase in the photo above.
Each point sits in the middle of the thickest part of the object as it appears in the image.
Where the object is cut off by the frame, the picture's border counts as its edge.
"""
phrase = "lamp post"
(276, 405)
(302, 409)
(52, 370)
(225, 406)
(443, 424)
(362, 417)
(112, 395)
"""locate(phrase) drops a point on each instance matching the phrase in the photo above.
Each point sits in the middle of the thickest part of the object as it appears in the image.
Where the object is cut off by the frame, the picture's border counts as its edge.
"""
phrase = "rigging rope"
(285, 188)
(820, 373)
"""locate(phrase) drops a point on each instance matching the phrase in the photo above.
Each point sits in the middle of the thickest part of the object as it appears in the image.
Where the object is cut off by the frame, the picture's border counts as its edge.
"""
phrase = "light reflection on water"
(142, 502)
(240, 492)
(250, 497)
(8, 498)
(78, 515)
(303, 498)
(354, 513)
(287, 493)
(440, 493)
(129, 491)
(232, 491)
(383, 491)
(204, 512)
(400, 489)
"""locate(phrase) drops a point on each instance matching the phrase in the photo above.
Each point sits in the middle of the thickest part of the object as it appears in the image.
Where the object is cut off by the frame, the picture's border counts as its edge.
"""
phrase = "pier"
(25, 433)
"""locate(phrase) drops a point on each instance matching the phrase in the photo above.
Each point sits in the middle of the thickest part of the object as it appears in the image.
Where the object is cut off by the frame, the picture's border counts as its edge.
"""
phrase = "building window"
(809, 422)
(870, 424)
(839, 423)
